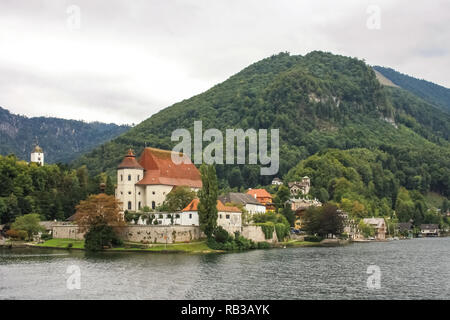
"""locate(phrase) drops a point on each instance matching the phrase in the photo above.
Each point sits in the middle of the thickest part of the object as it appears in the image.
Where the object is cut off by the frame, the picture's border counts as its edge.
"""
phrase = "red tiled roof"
(193, 206)
(260, 193)
(160, 169)
(129, 162)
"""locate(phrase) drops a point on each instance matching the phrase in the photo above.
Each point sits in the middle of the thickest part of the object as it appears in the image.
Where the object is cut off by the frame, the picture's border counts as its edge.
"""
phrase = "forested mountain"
(62, 140)
(318, 101)
(429, 91)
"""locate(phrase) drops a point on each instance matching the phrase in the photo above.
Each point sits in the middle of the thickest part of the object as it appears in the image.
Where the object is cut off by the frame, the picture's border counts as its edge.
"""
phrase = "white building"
(277, 182)
(148, 181)
(229, 218)
(252, 205)
(37, 156)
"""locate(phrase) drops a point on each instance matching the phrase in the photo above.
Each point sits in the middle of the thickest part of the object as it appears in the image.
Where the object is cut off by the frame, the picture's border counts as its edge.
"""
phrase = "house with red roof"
(147, 181)
(262, 196)
(228, 217)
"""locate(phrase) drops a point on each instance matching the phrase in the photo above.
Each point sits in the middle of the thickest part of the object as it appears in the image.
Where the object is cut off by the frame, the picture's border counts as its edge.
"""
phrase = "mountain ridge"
(319, 101)
(62, 140)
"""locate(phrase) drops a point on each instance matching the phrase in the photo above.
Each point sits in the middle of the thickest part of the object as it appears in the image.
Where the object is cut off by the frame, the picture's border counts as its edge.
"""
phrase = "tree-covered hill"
(429, 91)
(62, 140)
(318, 101)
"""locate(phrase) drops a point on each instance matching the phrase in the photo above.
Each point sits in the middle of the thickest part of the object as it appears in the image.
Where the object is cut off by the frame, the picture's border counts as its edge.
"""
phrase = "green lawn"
(298, 243)
(63, 243)
(194, 247)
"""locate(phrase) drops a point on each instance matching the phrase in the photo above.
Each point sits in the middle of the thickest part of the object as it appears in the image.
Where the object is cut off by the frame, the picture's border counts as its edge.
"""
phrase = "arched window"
(121, 177)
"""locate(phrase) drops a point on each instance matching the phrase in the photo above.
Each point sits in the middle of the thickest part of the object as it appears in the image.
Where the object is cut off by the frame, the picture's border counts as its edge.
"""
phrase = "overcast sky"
(122, 61)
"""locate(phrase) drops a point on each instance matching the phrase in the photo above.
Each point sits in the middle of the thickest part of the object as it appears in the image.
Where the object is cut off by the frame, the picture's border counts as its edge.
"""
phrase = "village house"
(263, 197)
(228, 217)
(148, 181)
(429, 230)
(405, 229)
(251, 205)
(277, 182)
(302, 187)
(299, 206)
(379, 226)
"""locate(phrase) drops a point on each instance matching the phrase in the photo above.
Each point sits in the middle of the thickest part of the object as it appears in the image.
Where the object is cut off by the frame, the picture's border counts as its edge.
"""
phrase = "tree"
(179, 198)
(109, 188)
(28, 223)
(323, 221)
(283, 194)
(100, 236)
(366, 229)
(207, 207)
(99, 209)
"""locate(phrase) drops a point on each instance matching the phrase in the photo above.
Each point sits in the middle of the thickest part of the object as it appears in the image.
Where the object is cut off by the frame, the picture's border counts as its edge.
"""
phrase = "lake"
(409, 269)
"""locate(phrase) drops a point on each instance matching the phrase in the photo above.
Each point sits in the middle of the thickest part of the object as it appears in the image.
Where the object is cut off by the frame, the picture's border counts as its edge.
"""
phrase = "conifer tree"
(207, 207)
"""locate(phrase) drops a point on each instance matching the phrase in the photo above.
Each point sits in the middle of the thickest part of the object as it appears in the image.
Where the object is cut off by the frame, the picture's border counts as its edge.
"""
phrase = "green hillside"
(429, 91)
(318, 101)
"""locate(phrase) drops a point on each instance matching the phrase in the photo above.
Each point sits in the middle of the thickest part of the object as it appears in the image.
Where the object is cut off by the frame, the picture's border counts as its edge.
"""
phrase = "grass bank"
(192, 247)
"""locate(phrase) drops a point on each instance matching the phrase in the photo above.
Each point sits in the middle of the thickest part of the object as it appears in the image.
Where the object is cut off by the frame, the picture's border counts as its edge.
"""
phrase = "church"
(147, 181)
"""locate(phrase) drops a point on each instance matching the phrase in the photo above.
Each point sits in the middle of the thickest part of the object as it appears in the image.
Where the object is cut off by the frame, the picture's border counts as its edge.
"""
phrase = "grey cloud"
(198, 43)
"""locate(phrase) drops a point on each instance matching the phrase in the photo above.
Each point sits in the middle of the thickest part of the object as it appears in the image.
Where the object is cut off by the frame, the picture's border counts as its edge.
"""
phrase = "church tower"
(129, 172)
(37, 155)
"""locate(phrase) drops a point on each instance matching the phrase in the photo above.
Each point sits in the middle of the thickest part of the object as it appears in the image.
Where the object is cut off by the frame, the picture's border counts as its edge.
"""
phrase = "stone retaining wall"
(161, 234)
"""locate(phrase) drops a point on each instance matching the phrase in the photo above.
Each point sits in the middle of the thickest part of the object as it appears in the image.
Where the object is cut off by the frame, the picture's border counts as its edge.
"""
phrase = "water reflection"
(410, 269)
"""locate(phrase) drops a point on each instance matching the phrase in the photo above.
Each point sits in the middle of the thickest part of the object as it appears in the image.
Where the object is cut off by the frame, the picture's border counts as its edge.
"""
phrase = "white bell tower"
(37, 155)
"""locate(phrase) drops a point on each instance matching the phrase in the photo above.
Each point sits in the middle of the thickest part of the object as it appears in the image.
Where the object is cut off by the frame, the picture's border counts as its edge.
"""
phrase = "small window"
(153, 205)
(160, 216)
(153, 192)
(129, 192)
(220, 216)
(121, 177)
(121, 192)
(190, 215)
(139, 205)
(129, 177)
(177, 216)
(139, 178)
(129, 205)
(228, 216)
(139, 193)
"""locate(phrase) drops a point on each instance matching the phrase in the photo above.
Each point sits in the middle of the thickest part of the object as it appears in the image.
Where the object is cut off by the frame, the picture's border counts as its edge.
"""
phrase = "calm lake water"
(410, 269)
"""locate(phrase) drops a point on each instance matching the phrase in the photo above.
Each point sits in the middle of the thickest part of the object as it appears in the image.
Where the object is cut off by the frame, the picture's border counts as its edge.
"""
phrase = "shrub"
(46, 236)
(70, 245)
(267, 229)
(282, 231)
(263, 245)
(100, 236)
(221, 235)
(313, 238)
(16, 234)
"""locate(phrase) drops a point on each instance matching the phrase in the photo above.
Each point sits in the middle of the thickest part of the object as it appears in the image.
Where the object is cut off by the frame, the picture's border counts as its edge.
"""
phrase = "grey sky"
(130, 59)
